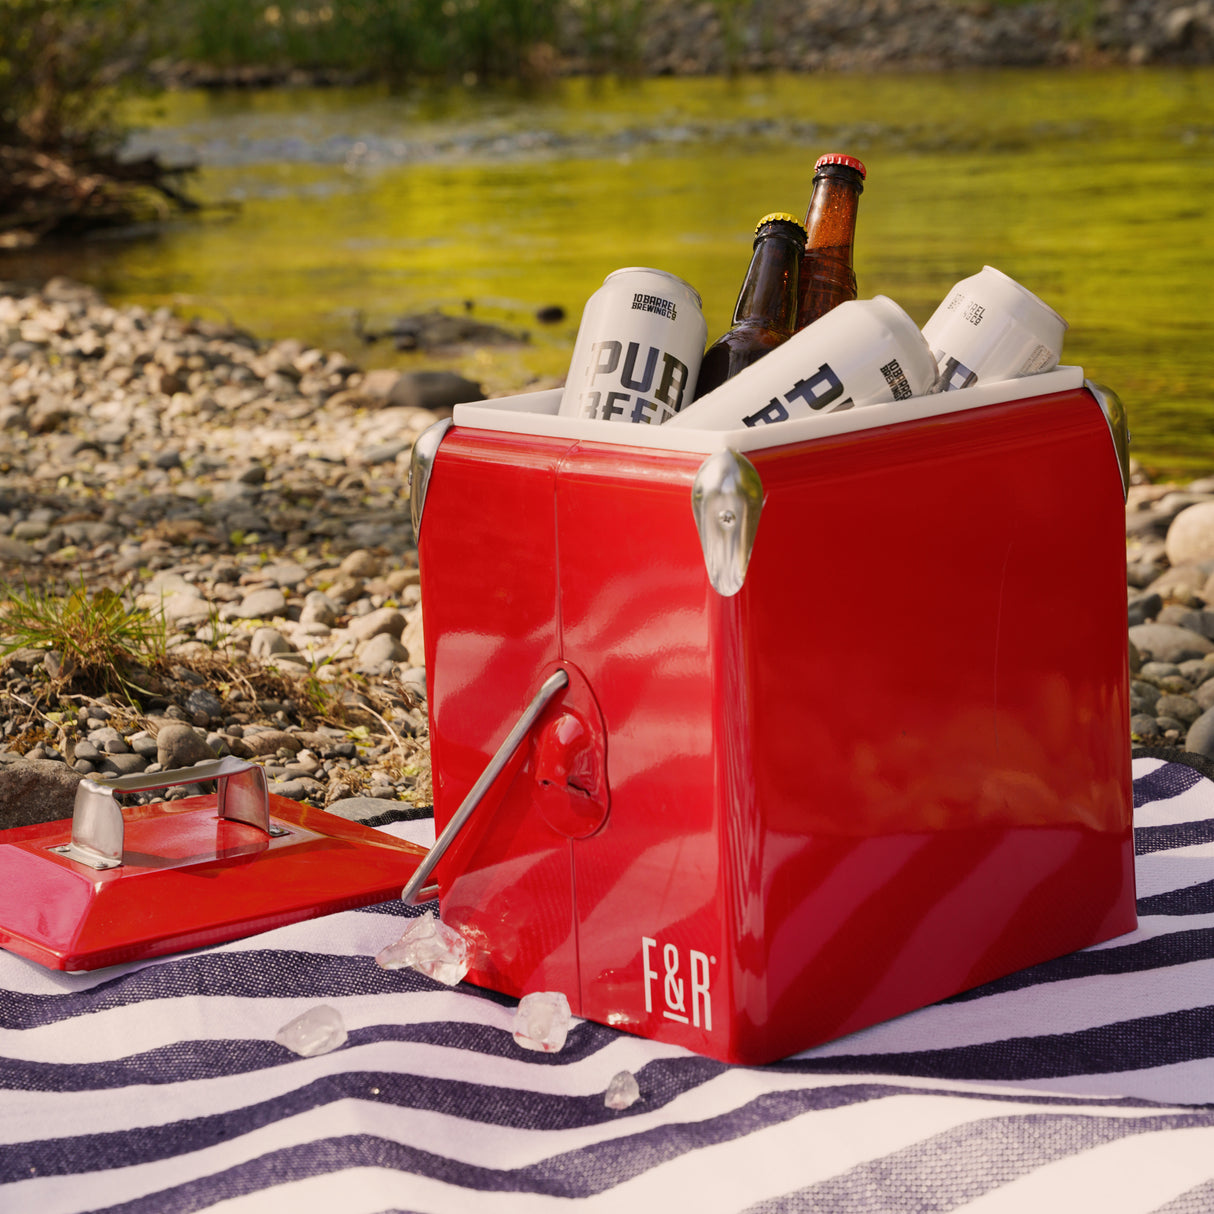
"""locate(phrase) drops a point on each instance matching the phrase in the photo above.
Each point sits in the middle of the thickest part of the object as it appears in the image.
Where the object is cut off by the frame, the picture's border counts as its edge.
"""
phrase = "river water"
(1092, 188)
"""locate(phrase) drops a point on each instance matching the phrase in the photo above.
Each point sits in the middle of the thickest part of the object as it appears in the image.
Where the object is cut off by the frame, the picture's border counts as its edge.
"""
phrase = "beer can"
(989, 328)
(862, 352)
(638, 349)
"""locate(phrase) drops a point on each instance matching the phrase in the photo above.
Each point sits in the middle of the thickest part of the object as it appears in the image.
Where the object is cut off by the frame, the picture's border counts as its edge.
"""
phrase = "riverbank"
(667, 38)
(256, 494)
(253, 493)
(916, 35)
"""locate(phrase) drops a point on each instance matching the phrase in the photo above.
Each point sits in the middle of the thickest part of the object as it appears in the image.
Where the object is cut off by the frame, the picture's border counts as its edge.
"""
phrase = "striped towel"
(1083, 1084)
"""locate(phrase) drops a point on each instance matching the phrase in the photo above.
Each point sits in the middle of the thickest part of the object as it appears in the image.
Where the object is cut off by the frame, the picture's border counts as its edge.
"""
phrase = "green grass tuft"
(100, 639)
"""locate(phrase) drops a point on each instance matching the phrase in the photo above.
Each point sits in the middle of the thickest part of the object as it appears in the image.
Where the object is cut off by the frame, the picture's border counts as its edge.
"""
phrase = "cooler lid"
(112, 885)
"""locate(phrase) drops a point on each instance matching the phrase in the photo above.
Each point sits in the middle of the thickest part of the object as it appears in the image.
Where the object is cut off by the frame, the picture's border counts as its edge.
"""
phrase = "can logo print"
(653, 303)
(629, 397)
(990, 328)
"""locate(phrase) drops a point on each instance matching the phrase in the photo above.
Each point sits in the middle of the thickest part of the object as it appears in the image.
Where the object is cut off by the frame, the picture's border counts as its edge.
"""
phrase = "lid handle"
(97, 825)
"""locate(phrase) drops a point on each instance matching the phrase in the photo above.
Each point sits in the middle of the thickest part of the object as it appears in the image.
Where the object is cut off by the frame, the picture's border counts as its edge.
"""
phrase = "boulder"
(1191, 535)
(433, 390)
(1169, 643)
(36, 790)
(181, 745)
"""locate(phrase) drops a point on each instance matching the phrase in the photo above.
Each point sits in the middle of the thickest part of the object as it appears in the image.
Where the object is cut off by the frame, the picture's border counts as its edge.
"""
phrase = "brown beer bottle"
(766, 310)
(827, 277)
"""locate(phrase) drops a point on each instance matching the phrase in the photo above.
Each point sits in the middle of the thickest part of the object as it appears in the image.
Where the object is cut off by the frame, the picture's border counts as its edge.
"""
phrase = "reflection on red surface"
(895, 765)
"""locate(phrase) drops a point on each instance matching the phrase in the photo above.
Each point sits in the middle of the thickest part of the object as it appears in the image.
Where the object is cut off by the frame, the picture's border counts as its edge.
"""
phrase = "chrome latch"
(726, 500)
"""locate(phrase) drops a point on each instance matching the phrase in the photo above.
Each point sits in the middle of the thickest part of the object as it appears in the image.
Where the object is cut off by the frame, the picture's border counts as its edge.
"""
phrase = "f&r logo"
(685, 993)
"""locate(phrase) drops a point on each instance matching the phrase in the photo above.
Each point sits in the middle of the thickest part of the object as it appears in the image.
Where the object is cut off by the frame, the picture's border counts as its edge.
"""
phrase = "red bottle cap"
(838, 158)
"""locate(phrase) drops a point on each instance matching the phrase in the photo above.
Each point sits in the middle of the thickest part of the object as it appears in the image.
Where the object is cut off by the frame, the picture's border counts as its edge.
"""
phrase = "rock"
(436, 330)
(414, 638)
(17, 551)
(413, 679)
(122, 765)
(36, 790)
(1166, 642)
(344, 588)
(375, 623)
(142, 743)
(1197, 671)
(179, 745)
(1191, 535)
(433, 390)
(318, 608)
(1144, 607)
(266, 642)
(271, 741)
(204, 702)
(401, 579)
(294, 790)
(261, 605)
(1181, 583)
(1143, 725)
(1180, 707)
(48, 414)
(361, 809)
(360, 564)
(26, 660)
(377, 385)
(1187, 617)
(383, 453)
(285, 575)
(377, 655)
(1200, 738)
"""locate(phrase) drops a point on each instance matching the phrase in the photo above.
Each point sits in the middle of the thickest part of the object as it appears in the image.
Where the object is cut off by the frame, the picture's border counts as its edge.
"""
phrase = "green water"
(1091, 188)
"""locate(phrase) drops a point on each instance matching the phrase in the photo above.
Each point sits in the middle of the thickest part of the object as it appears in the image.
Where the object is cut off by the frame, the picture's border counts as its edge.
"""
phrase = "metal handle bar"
(551, 685)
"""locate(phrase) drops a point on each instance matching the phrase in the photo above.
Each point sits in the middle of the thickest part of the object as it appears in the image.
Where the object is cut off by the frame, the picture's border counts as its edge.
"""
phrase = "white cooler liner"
(536, 413)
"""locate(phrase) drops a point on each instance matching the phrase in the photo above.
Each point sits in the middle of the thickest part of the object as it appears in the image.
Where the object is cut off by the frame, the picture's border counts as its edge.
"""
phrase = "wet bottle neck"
(768, 297)
(827, 277)
(831, 219)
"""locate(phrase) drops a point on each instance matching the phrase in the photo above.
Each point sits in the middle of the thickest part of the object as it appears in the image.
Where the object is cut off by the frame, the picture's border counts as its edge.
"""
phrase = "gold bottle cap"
(783, 217)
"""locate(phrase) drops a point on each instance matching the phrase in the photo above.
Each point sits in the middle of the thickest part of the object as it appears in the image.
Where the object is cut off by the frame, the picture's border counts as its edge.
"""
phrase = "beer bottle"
(766, 310)
(827, 277)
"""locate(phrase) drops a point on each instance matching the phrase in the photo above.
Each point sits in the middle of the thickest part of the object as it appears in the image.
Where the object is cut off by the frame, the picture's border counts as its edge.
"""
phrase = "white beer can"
(862, 352)
(638, 349)
(990, 328)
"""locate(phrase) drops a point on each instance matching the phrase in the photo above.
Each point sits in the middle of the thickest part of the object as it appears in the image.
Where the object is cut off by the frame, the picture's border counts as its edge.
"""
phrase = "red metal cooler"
(846, 722)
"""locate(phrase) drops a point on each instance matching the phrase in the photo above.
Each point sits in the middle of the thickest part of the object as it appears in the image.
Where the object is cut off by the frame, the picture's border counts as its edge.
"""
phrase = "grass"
(99, 639)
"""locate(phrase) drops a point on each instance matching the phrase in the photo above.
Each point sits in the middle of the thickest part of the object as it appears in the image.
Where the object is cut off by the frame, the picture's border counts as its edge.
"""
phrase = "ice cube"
(622, 1091)
(316, 1031)
(542, 1021)
(430, 947)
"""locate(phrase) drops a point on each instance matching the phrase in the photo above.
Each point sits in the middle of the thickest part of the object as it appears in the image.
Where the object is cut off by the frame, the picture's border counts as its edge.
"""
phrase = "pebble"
(1170, 612)
(225, 481)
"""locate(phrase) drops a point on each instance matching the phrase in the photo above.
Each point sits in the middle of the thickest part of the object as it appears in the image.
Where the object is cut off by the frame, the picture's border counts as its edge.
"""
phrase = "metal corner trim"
(421, 464)
(1118, 423)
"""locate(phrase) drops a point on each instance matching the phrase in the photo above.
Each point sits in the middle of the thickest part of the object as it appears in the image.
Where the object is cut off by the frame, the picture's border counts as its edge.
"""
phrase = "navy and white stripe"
(1084, 1083)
